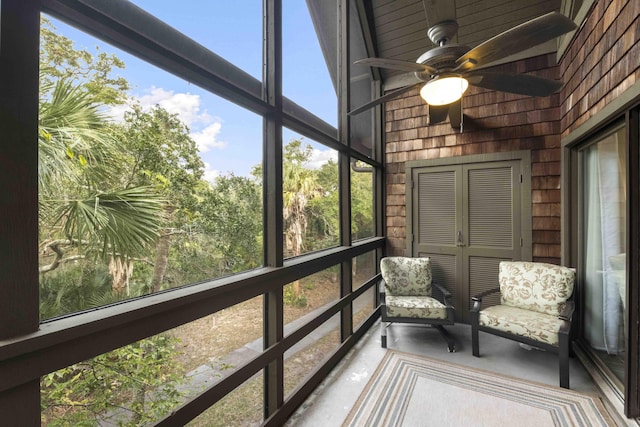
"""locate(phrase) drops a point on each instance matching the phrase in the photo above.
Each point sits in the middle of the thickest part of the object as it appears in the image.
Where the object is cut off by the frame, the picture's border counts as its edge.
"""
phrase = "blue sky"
(229, 137)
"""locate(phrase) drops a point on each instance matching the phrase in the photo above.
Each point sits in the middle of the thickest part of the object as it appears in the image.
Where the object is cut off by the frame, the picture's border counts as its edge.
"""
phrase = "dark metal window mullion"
(346, 323)
(378, 179)
(19, 308)
(273, 318)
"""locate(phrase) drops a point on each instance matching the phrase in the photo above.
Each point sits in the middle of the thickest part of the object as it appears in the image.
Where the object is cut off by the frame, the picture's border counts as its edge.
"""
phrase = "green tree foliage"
(299, 187)
(163, 155)
(125, 210)
(60, 60)
(72, 134)
(231, 216)
(92, 227)
(130, 386)
(85, 212)
(323, 224)
(362, 191)
(71, 289)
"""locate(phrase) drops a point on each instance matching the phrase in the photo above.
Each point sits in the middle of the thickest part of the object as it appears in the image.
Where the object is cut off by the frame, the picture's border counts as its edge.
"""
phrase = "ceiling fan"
(448, 69)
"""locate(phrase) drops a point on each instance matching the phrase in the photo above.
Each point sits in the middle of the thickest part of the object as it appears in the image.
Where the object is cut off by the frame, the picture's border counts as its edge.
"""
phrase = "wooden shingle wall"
(493, 122)
(602, 61)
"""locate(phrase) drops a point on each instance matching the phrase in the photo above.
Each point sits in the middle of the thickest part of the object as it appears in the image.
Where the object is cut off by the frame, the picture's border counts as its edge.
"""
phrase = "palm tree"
(85, 211)
(299, 186)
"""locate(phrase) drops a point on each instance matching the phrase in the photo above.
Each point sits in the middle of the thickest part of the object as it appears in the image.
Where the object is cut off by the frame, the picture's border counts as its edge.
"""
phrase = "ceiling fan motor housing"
(442, 58)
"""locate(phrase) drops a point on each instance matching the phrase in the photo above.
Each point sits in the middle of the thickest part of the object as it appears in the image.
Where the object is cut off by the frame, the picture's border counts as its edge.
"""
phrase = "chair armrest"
(567, 312)
(444, 291)
(477, 299)
(382, 291)
(481, 295)
(565, 316)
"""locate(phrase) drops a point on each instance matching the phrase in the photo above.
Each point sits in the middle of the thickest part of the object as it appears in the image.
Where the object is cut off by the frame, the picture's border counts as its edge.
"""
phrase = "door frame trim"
(624, 107)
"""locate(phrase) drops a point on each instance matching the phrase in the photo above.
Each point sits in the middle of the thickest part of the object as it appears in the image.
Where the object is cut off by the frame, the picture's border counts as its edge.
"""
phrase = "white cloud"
(116, 112)
(207, 138)
(204, 127)
(185, 105)
(320, 157)
(210, 175)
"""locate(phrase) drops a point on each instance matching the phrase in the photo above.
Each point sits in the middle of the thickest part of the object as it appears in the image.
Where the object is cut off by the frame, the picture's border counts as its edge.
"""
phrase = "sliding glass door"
(602, 247)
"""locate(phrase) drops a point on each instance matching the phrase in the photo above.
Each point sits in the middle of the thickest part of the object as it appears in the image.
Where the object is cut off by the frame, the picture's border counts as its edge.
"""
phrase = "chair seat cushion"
(415, 306)
(525, 323)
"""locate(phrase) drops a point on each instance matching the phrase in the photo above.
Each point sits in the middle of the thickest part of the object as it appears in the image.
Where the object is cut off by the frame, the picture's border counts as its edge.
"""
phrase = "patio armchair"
(406, 297)
(535, 309)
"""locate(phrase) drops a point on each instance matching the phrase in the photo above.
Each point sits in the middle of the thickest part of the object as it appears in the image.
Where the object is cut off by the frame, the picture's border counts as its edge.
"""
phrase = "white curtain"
(604, 196)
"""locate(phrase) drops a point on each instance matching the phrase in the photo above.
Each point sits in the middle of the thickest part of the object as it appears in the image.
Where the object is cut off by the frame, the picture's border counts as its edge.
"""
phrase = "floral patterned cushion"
(415, 306)
(541, 287)
(526, 323)
(406, 276)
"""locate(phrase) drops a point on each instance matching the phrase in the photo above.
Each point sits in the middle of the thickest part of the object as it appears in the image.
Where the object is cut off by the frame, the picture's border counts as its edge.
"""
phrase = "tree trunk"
(297, 249)
(296, 289)
(120, 271)
(161, 262)
(354, 267)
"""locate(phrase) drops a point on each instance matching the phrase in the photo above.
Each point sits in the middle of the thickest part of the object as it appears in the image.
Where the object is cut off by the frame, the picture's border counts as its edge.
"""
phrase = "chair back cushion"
(405, 276)
(535, 286)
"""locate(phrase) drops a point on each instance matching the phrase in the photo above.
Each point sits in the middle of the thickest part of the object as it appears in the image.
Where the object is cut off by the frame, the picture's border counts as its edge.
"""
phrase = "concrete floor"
(331, 402)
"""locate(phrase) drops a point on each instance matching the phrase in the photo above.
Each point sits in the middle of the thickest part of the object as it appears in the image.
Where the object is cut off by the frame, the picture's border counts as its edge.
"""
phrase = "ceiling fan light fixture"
(444, 90)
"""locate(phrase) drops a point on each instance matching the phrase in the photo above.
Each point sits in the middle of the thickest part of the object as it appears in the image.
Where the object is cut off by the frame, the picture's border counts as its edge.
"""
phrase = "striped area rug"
(409, 390)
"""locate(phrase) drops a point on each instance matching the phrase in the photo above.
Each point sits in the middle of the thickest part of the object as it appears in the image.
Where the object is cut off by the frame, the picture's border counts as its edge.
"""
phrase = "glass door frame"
(628, 397)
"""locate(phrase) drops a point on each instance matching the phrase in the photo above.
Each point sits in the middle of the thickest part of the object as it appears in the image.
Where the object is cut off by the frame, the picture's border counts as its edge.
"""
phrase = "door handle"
(459, 241)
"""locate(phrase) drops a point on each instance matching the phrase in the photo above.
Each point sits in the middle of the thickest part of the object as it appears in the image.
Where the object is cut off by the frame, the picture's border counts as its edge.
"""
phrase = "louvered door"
(467, 218)
(491, 223)
(437, 216)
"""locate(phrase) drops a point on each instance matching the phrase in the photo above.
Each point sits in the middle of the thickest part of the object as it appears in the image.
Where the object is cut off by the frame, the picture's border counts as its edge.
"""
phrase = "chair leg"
(563, 362)
(383, 333)
(475, 345)
(451, 345)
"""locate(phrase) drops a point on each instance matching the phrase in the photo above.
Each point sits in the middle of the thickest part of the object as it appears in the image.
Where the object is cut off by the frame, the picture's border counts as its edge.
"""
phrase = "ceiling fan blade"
(438, 113)
(522, 84)
(384, 98)
(519, 38)
(395, 64)
(455, 113)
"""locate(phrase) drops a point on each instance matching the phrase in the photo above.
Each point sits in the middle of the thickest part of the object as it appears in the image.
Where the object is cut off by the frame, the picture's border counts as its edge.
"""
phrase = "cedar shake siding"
(600, 63)
(493, 122)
